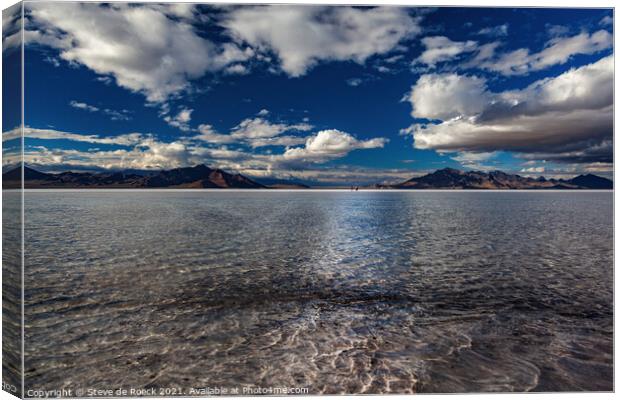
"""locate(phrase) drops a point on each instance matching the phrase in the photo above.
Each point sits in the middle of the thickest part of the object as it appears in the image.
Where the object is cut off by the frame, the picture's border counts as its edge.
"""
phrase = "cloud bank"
(568, 118)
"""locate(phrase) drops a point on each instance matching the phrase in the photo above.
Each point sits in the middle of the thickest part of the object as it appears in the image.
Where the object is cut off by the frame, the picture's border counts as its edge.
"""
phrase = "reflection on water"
(340, 292)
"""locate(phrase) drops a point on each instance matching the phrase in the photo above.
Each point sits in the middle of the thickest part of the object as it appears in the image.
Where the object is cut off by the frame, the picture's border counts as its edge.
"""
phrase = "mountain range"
(201, 176)
(449, 178)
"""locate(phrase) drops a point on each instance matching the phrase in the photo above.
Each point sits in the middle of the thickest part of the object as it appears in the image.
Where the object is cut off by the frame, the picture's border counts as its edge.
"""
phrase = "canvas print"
(211, 199)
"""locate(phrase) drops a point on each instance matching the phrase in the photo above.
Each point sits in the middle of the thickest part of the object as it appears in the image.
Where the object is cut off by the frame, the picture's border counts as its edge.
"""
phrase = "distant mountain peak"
(592, 181)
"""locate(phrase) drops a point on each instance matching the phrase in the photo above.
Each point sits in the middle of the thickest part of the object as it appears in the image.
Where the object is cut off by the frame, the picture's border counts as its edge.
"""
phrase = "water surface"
(339, 292)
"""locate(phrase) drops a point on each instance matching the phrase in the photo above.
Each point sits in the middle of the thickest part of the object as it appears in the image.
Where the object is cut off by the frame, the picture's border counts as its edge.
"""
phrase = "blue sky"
(337, 95)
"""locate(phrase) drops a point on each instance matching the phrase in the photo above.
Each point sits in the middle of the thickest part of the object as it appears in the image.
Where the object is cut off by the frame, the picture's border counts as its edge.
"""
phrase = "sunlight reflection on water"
(341, 292)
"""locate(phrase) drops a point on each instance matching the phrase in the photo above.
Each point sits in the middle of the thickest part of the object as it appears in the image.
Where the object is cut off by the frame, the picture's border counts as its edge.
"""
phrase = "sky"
(331, 95)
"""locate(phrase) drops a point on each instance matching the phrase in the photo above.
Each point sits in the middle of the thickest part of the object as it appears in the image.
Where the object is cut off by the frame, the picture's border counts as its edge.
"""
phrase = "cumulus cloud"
(328, 144)
(557, 51)
(440, 48)
(145, 48)
(567, 118)
(181, 119)
(447, 96)
(302, 37)
(11, 27)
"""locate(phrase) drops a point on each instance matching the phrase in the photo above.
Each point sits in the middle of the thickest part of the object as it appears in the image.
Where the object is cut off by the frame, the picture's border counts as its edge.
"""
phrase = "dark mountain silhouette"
(12, 178)
(449, 178)
(199, 176)
(29, 174)
(592, 182)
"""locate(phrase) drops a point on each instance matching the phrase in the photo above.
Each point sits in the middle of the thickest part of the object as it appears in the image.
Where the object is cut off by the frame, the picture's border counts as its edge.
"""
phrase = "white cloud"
(252, 128)
(52, 60)
(495, 31)
(143, 47)
(606, 20)
(263, 113)
(237, 69)
(569, 116)
(254, 132)
(157, 155)
(446, 96)
(533, 170)
(394, 59)
(128, 139)
(153, 155)
(354, 81)
(328, 144)
(483, 53)
(599, 167)
(137, 150)
(440, 48)
(181, 119)
(115, 115)
(83, 106)
(210, 135)
(11, 27)
(303, 36)
(557, 30)
(473, 160)
(277, 141)
(122, 115)
(557, 51)
(589, 87)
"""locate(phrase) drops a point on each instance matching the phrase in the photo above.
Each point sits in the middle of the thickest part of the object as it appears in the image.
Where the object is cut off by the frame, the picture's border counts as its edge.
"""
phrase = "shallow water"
(337, 292)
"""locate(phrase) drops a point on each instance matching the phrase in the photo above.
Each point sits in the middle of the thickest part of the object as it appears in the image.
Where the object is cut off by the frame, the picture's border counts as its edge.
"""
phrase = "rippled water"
(339, 292)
